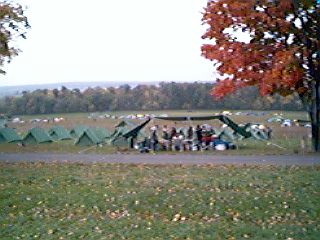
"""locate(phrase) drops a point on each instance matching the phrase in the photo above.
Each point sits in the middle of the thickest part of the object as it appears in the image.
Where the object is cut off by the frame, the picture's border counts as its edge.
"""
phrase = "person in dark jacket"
(153, 139)
(199, 134)
(173, 133)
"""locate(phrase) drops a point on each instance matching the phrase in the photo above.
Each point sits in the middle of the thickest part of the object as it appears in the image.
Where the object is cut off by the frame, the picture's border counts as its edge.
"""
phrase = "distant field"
(110, 201)
(288, 138)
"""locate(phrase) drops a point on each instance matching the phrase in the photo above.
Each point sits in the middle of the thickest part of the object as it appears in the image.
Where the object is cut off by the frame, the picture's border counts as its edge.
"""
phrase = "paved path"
(185, 159)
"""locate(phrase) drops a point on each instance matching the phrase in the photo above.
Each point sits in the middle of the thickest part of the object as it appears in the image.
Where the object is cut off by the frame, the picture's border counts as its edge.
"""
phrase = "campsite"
(151, 120)
(68, 191)
(78, 131)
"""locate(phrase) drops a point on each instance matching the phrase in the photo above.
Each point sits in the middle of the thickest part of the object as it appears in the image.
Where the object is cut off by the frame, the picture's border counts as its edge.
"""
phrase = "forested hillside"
(142, 97)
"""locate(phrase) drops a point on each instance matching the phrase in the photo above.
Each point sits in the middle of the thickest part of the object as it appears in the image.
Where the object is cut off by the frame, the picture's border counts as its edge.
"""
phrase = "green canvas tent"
(136, 130)
(9, 135)
(121, 124)
(123, 136)
(119, 130)
(101, 133)
(78, 130)
(37, 135)
(122, 142)
(3, 123)
(88, 138)
(124, 123)
(59, 133)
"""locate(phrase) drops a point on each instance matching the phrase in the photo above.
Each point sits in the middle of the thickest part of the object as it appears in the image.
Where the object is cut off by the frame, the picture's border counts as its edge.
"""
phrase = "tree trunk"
(314, 71)
(314, 114)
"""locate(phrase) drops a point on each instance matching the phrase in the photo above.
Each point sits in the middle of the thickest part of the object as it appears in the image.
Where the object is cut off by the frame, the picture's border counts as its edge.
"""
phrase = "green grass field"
(79, 201)
(288, 138)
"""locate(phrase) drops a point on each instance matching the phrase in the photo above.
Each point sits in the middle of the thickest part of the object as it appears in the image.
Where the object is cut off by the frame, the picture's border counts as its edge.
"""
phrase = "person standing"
(165, 138)
(153, 139)
(173, 133)
(199, 134)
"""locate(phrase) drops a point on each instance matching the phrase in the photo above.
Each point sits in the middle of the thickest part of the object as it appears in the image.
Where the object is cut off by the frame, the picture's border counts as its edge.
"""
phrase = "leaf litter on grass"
(114, 201)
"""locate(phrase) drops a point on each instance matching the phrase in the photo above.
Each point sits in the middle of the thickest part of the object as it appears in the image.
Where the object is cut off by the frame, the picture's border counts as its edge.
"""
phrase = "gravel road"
(184, 159)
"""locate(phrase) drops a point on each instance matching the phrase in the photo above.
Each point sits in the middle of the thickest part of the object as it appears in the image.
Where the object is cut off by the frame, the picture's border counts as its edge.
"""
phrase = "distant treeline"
(142, 97)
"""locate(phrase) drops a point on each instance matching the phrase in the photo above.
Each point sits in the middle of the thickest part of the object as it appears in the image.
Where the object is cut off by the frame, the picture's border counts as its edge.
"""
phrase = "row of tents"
(125, 133)
(83, 135)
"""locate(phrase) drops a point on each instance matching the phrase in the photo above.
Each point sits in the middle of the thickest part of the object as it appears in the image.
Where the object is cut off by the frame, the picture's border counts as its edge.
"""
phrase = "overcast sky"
(101, 40)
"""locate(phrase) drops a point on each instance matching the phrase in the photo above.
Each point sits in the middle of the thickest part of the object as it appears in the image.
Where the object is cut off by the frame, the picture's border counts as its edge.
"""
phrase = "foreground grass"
(103, 201)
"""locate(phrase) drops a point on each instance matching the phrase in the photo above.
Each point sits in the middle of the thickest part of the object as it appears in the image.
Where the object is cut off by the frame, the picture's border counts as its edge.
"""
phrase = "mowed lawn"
(114, 201)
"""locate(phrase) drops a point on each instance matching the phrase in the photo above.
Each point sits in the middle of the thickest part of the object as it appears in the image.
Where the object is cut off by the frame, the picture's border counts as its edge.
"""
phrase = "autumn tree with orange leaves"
(282, 55)
(13, 24)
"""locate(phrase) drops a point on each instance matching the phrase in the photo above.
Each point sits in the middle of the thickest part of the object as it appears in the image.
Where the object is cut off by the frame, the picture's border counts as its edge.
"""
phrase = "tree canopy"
(13, 24)
(276, 59)
(146, 97)
(282, 55)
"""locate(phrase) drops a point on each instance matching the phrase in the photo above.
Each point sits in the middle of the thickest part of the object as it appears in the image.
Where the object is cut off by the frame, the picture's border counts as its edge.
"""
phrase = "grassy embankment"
(79, 201)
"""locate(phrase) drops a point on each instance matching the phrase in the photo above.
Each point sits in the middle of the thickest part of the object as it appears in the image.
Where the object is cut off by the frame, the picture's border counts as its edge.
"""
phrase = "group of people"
(183, 139)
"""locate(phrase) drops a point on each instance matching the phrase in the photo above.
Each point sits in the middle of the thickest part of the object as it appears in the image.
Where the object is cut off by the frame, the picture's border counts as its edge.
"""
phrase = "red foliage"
(271, 64)
(224, 87)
